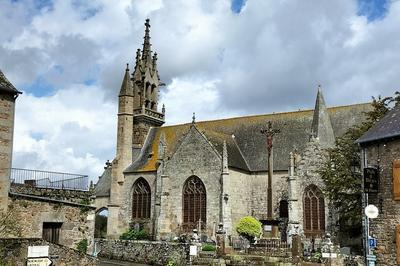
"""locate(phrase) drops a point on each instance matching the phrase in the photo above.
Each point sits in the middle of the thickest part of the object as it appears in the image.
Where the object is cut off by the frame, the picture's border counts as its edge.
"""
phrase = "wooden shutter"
(396, 179)
(398, 244)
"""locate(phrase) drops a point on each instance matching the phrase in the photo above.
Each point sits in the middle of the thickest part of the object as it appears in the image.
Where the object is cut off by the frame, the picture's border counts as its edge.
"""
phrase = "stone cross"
(270, 132)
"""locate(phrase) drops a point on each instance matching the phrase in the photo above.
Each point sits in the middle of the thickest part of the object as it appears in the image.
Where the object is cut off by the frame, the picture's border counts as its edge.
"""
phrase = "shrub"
(208, 247)
(134, 234)
(249, 227)
(82, 246)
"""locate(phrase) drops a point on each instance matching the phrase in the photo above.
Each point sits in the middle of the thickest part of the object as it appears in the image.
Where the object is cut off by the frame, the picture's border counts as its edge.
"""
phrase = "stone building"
(171, 179)
(381, 150)
(8, 95)
(58, 215)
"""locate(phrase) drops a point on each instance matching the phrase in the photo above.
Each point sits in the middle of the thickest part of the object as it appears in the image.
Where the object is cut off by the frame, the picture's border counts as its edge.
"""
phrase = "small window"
(51, 232)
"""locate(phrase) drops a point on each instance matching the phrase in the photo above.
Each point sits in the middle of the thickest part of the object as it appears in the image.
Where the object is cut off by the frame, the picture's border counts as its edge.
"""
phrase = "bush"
(249, 227)
(82, 246)
(134, 234)
(208, 247)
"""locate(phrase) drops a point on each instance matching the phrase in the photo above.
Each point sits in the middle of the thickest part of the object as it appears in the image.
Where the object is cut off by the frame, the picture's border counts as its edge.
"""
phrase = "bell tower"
(146, 83)
(137, 113)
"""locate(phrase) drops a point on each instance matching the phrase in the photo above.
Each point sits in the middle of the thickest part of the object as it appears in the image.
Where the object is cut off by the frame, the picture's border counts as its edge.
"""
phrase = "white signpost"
(371, 211)
(38, 251)
(39, 262)
(38, 256)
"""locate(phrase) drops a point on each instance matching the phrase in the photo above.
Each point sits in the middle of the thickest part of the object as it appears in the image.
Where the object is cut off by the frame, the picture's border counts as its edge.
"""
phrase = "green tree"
(249, 227)
(342, 171)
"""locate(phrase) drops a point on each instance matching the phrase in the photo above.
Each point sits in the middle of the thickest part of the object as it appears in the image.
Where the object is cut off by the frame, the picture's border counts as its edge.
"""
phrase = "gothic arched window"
(314, 211)
(194, 203)
(141, 199)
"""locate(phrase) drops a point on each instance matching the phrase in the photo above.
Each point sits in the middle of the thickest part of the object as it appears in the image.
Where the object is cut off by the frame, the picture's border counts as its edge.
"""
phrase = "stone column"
(294, 199)
(226, 212)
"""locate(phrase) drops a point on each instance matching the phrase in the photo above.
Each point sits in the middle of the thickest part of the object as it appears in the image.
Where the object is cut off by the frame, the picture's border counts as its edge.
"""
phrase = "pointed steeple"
(126, 87)
(321, 128)
(146, 56)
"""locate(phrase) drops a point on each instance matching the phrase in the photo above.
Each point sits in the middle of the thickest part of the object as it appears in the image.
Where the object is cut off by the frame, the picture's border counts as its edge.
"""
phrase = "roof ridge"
(267, 114)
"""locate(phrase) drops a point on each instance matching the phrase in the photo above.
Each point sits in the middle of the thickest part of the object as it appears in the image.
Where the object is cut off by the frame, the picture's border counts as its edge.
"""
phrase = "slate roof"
(6, 86)
(245, 144)
(103, 186)
(387, 127)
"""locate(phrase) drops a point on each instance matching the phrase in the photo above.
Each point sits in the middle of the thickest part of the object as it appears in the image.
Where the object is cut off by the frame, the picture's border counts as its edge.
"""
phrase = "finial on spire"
(154, 60)
(319, 87)
(194, 118)
(137, 55)
(127, 67)
(163, 109)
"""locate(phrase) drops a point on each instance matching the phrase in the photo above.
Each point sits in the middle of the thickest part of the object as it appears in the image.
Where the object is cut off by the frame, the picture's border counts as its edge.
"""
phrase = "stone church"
(172, 179)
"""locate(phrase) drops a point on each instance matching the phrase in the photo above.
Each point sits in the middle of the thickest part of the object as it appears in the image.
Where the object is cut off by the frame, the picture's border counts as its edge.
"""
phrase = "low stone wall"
(148, 252)
(76, 196)
(15, 251)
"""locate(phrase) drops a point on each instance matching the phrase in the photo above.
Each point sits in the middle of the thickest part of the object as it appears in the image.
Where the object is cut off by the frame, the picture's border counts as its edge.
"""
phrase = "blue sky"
(236, 57)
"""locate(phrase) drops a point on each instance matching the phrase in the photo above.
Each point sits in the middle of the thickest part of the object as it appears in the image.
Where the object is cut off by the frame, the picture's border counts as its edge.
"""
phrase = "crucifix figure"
(270, 132)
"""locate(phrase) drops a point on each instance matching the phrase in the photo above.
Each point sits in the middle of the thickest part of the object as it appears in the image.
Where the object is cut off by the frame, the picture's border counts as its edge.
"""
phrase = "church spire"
(321, 126)
(126, 86)
(146, 56)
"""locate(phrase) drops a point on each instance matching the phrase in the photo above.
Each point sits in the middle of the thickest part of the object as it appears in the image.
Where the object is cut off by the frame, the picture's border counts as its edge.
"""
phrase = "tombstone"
(220, 240)
(296, 248)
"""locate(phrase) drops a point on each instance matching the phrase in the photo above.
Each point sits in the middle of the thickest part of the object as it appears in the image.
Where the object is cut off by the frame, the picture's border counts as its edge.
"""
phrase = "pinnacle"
(321, 126)
(126, 86)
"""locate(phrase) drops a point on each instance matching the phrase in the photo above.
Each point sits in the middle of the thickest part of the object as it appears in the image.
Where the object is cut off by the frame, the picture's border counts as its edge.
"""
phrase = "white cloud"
(71, 131)
(270, 57)
(185, 96)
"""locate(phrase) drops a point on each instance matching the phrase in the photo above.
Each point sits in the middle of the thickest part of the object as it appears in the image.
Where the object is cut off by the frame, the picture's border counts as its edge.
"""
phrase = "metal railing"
(46, 179)
(271, 247)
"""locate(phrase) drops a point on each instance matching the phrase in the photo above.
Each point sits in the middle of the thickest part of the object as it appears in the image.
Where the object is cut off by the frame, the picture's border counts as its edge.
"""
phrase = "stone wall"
(77, 220)
(7, 105)
(384, 227)
(76, 196)
(195, 156)
(241, 196)
(125, 214)
(152, 253)
(306, 174)
(15, 252)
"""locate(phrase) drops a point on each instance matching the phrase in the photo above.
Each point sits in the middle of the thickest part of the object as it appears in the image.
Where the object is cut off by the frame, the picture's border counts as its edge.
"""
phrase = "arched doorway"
(141, 199)
(314, 212)
(100, 223)
(194, 204)
(283, 218)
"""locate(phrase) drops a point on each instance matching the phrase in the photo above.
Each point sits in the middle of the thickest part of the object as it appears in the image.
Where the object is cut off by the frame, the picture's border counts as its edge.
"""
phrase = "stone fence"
(76, 196)
(147, 252)
(14, 251)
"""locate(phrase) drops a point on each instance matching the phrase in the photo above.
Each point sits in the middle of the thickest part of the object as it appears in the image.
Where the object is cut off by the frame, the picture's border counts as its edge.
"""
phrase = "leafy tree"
(249, 227)
(342, 171)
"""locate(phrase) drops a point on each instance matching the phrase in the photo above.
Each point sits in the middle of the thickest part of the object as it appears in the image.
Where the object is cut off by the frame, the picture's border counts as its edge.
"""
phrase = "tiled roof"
(103, 186)
(387, 127)
(6, 86)
(246, 145)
